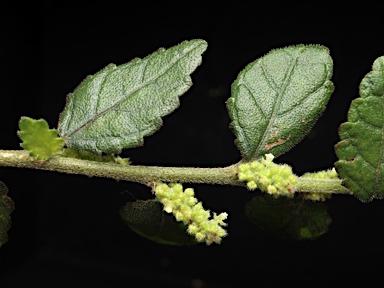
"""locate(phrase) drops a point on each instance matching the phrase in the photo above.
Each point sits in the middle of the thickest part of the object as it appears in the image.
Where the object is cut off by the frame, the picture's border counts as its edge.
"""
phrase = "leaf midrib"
(132, 91)
(277, 103)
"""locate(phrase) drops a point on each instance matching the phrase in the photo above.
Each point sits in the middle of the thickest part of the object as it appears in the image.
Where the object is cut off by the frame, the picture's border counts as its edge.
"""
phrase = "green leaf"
(6, 208)
(277, 99)
(286, 218)
(148, 219)
(361, 149)
(38, 139)
(119, 105)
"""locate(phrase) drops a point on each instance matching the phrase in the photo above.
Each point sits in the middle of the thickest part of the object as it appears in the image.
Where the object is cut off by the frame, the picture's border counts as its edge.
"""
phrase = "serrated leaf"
(148, 219)
(296, 218)
(277, 99)
(6, 208)
(119, 105)
(38, 139)
(361, 149)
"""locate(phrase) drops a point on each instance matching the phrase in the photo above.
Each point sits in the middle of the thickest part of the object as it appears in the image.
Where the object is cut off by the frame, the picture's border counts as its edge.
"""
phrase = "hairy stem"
(148, 174)
(140, 174)
(315, 185)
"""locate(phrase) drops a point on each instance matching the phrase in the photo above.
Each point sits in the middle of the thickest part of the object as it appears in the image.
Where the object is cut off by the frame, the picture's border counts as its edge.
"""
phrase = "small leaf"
(278, 98)
(6, 208)
(361, 149)
(289, 218)
(148, 219)
(38, 139)
(119, 105)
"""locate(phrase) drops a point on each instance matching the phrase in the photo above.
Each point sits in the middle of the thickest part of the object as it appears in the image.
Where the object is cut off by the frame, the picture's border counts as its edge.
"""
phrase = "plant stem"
(141, 174)
(149, 174)
(316, 185)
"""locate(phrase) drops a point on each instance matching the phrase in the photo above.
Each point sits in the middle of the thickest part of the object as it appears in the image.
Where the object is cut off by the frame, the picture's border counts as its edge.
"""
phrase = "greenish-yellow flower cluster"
(186, 209)
(275, 179)
(325, 174)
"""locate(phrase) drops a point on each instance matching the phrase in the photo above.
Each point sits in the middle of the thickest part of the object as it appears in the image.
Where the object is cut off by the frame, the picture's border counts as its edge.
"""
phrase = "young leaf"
(148, 219)
(277, 99)
(361, 149)
(6, 208)
(119, 105)
(289, 218)
(38, 139)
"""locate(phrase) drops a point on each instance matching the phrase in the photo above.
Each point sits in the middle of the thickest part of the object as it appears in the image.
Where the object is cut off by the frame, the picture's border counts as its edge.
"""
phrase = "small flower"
(252, 185)
(220, 218)
(168, 209)
(271, 189)
(200, 237)
(192, 229)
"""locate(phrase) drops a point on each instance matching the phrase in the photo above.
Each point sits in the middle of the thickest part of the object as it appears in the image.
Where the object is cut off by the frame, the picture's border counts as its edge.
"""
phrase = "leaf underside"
(286, 218)
(147, 218)
(119, 105)
(361, 149)
(277, 99)
(38, 139)
(6, 208)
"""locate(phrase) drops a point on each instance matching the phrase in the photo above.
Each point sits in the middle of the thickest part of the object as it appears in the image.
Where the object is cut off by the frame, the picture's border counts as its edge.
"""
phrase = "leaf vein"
(302, 101)
(270, 81)
(254, 99)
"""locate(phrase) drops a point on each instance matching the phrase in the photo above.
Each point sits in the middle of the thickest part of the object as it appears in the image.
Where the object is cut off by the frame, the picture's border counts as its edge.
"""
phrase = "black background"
(66, 229)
